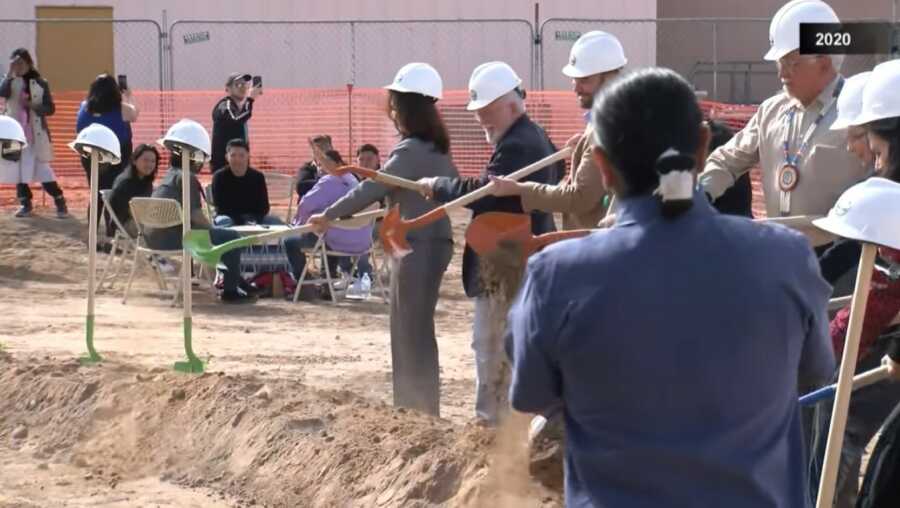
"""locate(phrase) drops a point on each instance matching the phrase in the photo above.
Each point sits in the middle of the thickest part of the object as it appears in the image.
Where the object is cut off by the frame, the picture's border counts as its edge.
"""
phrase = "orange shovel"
(489, 231)
(394, 228)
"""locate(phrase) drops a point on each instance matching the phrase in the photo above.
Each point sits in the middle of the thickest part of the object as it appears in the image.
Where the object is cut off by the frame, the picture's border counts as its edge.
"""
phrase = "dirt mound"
(42, 249)
(275, 442)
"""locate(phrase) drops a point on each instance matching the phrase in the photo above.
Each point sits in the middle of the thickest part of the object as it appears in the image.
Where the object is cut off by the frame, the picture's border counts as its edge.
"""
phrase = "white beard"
(492, 140)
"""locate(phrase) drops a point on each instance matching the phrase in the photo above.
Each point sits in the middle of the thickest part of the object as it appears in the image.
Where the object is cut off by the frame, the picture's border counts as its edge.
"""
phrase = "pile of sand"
(273, 443)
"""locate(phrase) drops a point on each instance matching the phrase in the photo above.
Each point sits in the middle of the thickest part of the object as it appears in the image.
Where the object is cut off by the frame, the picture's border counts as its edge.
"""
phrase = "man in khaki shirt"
(804, 164)
(595, 59)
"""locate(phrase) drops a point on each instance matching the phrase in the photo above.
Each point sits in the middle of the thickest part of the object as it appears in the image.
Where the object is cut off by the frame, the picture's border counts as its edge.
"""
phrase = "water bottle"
(366, 284)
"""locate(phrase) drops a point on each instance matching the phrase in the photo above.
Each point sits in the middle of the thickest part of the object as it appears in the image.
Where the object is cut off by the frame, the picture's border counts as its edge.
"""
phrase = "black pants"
(23, 192)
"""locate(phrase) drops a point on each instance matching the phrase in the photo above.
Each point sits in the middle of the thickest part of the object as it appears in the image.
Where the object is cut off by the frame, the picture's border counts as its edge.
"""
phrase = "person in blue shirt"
(111, 107)
(675, 340)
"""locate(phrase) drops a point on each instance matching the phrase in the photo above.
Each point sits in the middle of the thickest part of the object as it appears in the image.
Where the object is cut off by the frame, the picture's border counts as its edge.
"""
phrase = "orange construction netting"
(284, 119)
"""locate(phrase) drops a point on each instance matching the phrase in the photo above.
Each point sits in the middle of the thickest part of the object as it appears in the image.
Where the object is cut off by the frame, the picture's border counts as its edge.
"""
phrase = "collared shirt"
(675, 347)
(826, 168)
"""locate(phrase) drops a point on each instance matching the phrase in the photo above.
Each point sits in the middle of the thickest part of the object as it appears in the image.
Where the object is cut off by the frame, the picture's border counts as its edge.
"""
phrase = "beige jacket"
(826, 169)
(11, 89)
(579, 197)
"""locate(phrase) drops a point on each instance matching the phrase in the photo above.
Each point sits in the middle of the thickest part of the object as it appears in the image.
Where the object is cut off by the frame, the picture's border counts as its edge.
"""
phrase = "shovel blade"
(489, 230)
(393, 234)
(198, 243)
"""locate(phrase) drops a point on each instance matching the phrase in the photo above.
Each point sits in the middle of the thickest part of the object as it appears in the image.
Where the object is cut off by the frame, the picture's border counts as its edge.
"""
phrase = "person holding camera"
(231, 113)
(29, 102)
(111, 105)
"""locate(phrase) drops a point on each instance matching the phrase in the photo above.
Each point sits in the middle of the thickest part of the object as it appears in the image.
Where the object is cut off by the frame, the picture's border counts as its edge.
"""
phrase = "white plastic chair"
(122, 240)
(321, 251)
(156, 213)
(279, 186)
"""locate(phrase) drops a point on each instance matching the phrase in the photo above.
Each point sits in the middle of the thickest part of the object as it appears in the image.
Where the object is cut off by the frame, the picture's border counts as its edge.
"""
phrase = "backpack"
(264, 282)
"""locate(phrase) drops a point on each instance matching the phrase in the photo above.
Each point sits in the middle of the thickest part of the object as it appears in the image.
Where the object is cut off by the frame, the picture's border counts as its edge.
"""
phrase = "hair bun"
(673, 160)
(676, 181)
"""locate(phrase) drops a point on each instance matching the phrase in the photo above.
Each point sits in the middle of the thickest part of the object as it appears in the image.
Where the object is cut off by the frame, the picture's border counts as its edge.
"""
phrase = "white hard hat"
(849, 102)
(784, 31)
(881, 97)
(593, 53)
(867, 212)
(12, 139)
(489, 82)
(100, 139)
(11, 130)
(188, 134)
(419, 78)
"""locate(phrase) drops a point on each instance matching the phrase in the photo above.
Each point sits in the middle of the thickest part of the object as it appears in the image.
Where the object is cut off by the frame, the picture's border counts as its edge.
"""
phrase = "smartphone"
(257, 81)
(123, 82)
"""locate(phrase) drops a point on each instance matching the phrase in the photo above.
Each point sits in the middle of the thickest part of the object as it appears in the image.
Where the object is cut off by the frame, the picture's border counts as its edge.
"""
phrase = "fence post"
(352, 52)
(715, 55)
(349, 119)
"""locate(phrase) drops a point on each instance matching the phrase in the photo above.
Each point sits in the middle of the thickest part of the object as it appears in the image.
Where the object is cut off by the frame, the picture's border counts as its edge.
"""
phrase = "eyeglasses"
(791, 63)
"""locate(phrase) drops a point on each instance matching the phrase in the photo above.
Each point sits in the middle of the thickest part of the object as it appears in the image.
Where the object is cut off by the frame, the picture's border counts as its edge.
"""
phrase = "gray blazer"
(412, 159)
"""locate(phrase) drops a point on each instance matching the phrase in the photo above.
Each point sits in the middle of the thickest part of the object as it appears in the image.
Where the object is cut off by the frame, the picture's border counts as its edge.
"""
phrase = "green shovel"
(197, 241)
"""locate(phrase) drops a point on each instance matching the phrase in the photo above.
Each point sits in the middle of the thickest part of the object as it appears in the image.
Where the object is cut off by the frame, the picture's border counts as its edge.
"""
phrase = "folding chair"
(280, 186)
(157, 213)
(122, 239)
(208, 201)
(321, 251)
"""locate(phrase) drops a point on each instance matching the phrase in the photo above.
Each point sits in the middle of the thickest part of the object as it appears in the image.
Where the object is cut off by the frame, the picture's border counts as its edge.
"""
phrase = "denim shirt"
(675, 347)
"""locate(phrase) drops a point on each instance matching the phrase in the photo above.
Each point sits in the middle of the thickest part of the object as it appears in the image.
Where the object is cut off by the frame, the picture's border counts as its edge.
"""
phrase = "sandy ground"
(297, 353)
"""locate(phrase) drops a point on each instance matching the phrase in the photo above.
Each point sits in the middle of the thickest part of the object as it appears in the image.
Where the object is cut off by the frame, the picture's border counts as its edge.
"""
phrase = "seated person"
(329, 188)
(135, 181)
(309, 173)
(235, 289)
(238, 191)
(307, 176)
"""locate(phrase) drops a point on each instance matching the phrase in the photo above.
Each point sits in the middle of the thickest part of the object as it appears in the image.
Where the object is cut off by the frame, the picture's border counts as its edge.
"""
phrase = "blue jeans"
(170, 239)
(225, 221)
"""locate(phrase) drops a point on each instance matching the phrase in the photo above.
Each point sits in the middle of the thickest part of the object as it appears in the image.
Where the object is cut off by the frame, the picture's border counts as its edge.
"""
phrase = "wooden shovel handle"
(306, 228)
(793, 222)
(539, 242)
(441, 212)
(381, 177)
(516, 175)
(845, 378)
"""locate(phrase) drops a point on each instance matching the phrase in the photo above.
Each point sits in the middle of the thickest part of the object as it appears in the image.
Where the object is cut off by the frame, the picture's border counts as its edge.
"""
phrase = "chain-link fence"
(332, 54)
(136, 46)
(722, 57)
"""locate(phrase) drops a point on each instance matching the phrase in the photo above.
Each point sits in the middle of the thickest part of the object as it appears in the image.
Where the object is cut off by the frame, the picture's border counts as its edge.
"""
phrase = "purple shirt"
(324, 193)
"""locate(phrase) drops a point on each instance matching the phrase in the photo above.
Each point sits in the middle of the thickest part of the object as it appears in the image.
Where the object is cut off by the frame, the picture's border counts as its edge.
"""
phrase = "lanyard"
(794, 160)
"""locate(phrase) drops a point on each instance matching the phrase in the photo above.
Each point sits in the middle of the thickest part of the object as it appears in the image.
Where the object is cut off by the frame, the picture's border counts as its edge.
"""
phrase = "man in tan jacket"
(804, 164)
(595, 59)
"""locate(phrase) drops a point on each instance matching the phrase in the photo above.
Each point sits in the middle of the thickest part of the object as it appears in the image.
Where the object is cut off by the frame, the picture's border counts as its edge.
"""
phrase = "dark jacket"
(881, 484)
(126, 186)
(229, 122)
(737, 200)
(242, 199)
(524, 143)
